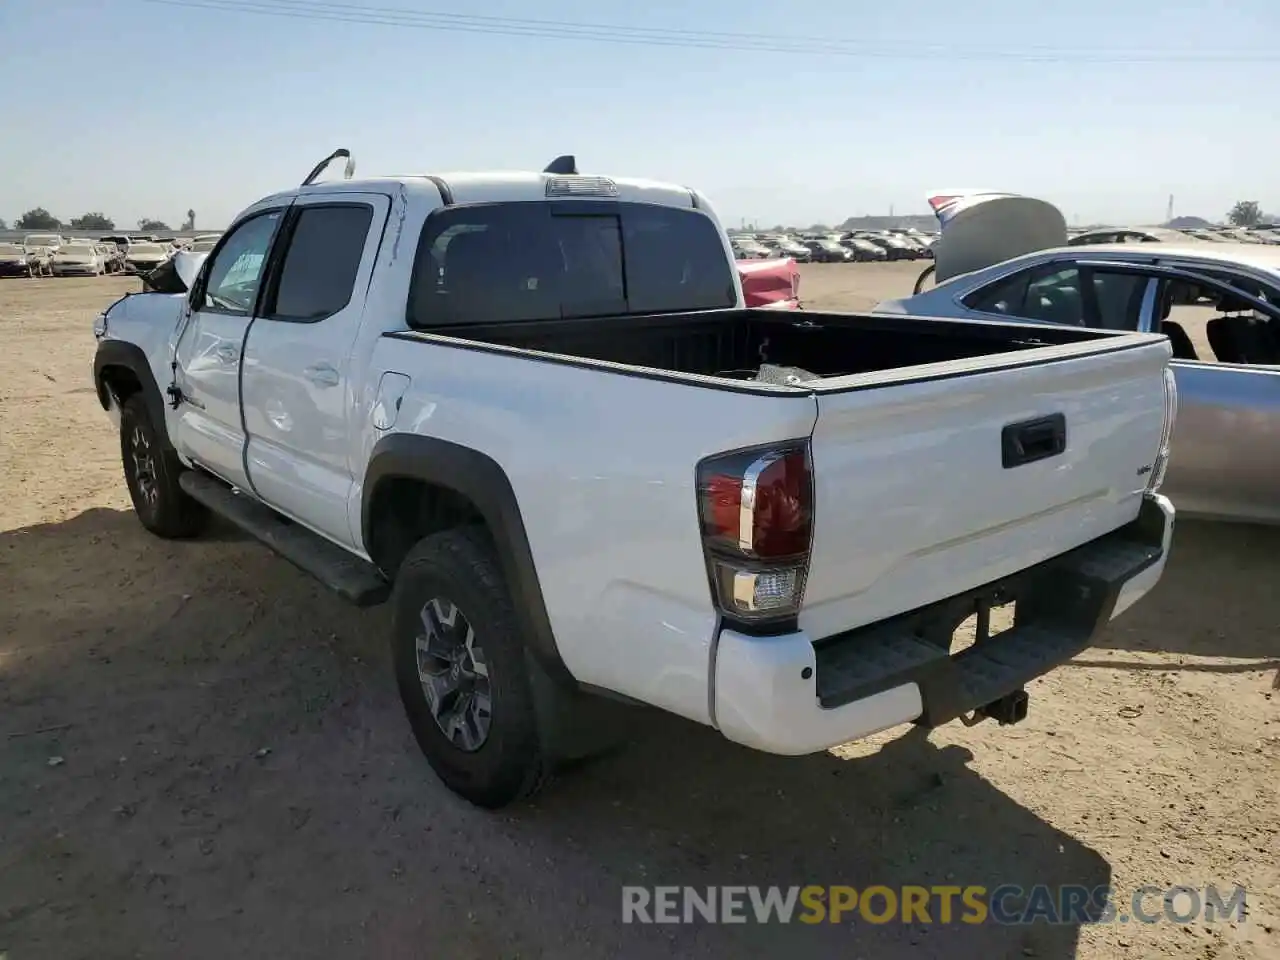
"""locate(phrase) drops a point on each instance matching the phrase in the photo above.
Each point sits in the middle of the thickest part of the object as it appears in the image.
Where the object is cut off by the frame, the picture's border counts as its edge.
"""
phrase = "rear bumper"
(788, 695)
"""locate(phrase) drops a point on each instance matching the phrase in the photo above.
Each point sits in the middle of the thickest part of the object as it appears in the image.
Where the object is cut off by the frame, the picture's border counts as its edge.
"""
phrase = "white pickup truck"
(531, 410)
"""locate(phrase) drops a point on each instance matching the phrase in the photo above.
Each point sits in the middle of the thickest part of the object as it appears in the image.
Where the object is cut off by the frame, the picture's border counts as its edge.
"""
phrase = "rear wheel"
(460, 667)
(151, 472)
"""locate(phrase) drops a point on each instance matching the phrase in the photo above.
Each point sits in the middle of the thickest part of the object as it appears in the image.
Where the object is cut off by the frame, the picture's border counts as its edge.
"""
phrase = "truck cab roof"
(507, 186)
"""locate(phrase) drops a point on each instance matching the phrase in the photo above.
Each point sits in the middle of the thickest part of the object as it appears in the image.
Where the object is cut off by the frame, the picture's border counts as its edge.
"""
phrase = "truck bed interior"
(735, 344)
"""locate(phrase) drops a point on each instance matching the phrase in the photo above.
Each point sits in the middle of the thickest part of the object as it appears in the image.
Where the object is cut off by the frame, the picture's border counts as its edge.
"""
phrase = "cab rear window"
(491, 263)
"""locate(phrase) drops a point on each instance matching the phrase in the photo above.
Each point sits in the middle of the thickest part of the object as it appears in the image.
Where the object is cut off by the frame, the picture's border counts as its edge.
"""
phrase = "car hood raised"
(980, 228)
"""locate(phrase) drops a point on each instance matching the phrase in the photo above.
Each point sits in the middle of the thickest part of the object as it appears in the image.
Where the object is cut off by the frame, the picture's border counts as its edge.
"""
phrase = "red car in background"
(771, 284)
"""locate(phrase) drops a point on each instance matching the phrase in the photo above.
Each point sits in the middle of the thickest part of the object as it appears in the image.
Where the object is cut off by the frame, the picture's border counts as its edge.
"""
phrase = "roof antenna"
(319, 168)
(563, 165)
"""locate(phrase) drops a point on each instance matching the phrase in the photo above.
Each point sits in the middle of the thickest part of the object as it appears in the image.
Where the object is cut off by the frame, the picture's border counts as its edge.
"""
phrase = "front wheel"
(460, 666)
(151, 473)
(926, 275)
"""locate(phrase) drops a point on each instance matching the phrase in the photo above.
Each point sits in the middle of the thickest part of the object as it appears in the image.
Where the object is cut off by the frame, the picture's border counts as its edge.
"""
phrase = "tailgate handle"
(1033, 440)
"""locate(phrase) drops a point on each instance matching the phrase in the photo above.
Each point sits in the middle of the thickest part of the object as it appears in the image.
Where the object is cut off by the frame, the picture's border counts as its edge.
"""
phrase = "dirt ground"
(202, 753)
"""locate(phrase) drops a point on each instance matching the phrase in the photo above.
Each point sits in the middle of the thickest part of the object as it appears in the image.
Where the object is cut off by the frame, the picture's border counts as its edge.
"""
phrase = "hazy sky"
(142, 109)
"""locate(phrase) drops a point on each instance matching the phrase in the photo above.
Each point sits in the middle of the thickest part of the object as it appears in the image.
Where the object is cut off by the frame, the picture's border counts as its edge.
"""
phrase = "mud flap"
(574, 725)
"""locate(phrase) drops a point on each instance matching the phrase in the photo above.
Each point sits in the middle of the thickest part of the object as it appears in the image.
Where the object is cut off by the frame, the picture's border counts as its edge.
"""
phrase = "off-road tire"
(151, 473)
(461, 567)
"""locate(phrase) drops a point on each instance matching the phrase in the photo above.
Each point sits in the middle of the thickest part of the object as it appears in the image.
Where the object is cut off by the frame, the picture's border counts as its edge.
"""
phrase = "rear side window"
(319, 270)
(1004, 296)
(493, 263)
(1049, 293)
(1055, 297)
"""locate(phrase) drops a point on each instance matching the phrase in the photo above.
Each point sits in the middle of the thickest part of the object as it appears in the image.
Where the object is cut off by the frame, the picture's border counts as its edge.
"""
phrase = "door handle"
(322, 375)
(1033, 440)
(226, 353)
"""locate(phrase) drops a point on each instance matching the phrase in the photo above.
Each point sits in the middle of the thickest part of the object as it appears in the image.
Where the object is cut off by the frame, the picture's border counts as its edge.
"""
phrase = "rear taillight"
(756, 510)
(1166, 434)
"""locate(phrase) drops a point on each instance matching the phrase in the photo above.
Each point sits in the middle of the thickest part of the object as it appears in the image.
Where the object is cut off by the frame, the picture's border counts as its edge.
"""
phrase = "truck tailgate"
(947, 478)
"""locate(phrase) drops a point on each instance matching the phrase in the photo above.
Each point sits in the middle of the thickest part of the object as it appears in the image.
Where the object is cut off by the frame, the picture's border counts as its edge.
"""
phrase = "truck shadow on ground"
(235, 776)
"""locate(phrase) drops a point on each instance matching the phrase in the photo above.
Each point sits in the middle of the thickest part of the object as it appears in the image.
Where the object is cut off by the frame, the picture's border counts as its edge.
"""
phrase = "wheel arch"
(120, 370)
(460, 478)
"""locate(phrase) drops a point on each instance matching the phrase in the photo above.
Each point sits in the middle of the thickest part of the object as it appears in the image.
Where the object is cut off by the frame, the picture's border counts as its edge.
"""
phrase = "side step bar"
(355, 580)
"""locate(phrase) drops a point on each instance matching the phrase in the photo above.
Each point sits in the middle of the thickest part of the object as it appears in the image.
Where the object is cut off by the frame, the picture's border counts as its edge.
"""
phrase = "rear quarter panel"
(602, 466)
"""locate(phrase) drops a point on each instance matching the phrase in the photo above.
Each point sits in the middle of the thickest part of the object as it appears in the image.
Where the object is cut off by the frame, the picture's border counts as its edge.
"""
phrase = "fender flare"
(480, 479)
(120, 353)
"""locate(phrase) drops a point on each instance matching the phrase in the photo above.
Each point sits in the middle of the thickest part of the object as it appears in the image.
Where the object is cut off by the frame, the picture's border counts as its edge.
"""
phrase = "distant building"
(921, 221)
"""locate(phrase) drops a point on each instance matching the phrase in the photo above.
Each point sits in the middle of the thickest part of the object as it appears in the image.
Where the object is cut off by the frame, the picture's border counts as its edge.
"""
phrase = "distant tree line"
(39, 218)
(1246, 213)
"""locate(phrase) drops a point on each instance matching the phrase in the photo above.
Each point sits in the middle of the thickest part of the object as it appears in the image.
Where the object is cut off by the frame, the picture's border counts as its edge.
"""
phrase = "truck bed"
(733, 344)
(946, 455)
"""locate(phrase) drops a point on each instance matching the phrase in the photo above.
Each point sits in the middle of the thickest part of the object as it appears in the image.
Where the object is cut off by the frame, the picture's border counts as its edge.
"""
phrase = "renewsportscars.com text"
(973, 904)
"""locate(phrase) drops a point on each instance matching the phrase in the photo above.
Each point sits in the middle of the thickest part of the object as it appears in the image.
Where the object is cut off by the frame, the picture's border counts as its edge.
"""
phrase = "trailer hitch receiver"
(1011, 708)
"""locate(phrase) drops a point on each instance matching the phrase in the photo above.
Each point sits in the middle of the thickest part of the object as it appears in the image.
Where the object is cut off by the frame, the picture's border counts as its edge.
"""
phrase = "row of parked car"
(1260, 233)
(836, 247)
(912, 244)
(53, 255)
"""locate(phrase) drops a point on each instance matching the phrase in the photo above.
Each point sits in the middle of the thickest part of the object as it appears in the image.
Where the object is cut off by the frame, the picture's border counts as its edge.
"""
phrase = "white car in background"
(145, 257)
(78, 260)
(47, 241)
(1004, 257)
(204, 243)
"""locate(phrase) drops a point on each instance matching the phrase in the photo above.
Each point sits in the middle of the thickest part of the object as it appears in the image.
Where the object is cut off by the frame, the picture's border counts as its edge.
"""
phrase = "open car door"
(980, 228)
